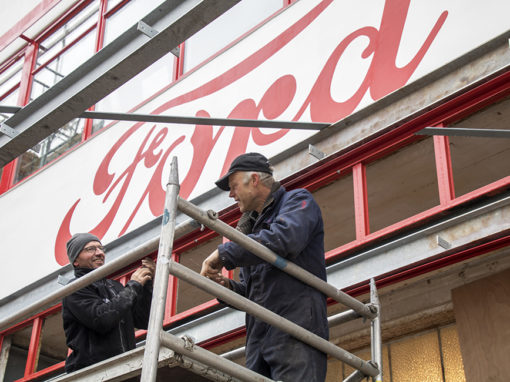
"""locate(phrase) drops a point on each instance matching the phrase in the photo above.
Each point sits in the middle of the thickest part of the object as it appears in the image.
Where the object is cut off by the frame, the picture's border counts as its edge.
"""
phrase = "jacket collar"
(79, 272)
(276, 191)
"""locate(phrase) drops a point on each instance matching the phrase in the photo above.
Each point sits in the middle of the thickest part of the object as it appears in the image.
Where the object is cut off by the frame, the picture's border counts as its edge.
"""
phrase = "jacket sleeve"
(237, 286)
(98, 314)
(288, 234)
(142, 308)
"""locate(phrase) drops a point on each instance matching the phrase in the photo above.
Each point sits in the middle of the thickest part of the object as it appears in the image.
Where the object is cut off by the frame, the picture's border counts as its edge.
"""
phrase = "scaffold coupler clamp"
(212, 214)
(189, 342)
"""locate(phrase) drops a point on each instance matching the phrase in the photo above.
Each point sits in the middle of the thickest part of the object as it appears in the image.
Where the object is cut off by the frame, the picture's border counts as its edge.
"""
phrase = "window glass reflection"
(49, 149)
(10, 100)
(226, 28)
(126, 17)
(64, 64)
(139, 88)
(8, 79)
(66, 49)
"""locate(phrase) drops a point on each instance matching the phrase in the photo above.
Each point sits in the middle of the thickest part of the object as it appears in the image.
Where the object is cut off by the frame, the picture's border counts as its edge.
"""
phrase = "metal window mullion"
(179, 62)
(444, 170)
(171, 296)
(361, 218)
(34, 347)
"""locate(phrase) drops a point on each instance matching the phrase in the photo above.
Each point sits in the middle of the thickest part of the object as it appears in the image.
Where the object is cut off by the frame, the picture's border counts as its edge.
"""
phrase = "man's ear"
(255, 178)
(75, 263)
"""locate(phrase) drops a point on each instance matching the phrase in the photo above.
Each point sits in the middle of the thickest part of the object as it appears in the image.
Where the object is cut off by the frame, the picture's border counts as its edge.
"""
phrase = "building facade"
(406, 155)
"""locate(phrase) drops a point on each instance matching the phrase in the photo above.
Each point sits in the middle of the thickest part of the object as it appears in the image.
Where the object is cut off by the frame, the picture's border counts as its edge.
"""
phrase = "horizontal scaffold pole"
(184, 120)
(210, 220)
(188, 349)
(271, 318)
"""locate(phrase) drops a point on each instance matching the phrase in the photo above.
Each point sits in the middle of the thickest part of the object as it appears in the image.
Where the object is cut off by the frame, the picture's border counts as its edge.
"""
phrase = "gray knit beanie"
(76, 244)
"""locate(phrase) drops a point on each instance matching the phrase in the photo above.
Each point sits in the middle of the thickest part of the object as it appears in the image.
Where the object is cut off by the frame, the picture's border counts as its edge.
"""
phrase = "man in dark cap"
(290, 224)
(100, 319)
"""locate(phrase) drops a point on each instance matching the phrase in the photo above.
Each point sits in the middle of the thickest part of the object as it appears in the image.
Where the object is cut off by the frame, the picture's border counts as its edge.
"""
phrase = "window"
(336, 201)
(50, 148)
(9, 83)
(226, 28)
(53, 348)
(478, 161)
(402, 184)
(139, 88)
(64, 50)
(189, 296)
(126, 17)
(18, 353)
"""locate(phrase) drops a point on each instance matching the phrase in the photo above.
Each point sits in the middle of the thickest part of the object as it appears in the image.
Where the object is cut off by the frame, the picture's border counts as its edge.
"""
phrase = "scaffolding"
(157, 337)
(188, 354)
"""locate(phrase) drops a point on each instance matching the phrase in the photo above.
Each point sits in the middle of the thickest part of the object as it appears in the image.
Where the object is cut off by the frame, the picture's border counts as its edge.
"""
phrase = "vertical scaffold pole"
(375, 329)
(150, 358)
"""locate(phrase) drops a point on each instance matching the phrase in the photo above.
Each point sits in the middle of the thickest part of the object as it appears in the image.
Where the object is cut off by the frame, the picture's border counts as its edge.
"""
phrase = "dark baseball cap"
(245, 162)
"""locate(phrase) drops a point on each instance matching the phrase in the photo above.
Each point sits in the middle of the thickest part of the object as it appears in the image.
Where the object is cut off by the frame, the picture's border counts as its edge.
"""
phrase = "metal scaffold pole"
(186, 347)
(150, 358)
(271, 318)
(375, 331)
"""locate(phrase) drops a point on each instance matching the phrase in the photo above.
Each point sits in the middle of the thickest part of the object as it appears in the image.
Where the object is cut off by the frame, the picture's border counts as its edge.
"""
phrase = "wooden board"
(482, 311)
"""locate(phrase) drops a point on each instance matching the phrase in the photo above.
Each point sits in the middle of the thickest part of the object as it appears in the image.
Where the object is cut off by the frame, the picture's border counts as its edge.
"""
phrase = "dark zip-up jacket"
(290, 225)
(100, 319)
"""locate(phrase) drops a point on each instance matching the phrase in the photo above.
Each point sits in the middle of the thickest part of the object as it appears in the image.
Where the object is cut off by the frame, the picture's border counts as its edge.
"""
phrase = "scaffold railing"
(157, 337)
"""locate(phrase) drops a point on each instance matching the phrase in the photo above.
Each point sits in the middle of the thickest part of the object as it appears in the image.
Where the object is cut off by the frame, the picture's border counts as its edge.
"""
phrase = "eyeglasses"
(92, 249)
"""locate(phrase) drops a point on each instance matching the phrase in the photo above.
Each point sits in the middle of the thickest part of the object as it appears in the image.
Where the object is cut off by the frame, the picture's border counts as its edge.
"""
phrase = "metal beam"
(107, 70)
(158, 118)
(465, 132)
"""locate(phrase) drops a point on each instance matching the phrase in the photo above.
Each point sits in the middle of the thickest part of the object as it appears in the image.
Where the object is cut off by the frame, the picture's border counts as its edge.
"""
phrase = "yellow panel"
(334, 370)
(452, 358)
(417, 359)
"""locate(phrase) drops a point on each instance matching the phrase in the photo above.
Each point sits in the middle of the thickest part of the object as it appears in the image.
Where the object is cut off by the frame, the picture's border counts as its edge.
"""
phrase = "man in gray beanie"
(100, 319)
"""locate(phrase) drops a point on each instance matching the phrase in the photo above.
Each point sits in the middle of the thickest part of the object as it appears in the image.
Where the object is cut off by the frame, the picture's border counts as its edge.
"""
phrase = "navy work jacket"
(291, 226)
